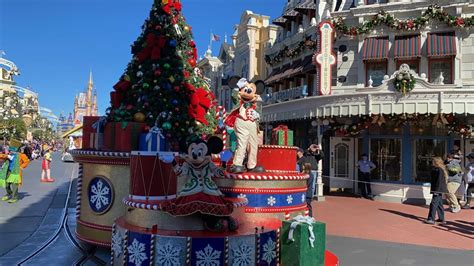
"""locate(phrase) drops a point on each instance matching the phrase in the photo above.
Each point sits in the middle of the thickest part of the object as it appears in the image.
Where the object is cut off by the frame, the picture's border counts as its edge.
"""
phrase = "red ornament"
(186, 74)
(192, 62)
(410, 24)
(192, 43)
(129, 107)
(176, 88)
(157, 73)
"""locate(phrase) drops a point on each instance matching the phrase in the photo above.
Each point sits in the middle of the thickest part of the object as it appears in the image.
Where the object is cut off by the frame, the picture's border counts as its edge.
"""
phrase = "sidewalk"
(19, 221)
(393, 222)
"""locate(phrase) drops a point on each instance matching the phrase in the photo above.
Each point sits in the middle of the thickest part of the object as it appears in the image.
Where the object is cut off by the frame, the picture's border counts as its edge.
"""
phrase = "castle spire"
(91, 83)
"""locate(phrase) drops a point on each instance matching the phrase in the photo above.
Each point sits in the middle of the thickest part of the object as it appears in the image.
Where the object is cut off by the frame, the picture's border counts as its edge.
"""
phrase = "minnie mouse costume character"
(200, 193)
(245, 120)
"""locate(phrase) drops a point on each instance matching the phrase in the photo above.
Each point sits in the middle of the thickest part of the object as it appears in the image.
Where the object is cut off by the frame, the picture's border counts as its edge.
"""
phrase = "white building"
(401, 127)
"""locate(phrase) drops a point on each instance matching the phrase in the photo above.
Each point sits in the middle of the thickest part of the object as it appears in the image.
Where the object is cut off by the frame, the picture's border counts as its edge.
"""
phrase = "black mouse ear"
(232, 81)
(260, 87)
(214, 145)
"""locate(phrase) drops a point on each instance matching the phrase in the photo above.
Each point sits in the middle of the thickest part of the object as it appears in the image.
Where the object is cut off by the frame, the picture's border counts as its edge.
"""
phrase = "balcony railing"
(286, 95)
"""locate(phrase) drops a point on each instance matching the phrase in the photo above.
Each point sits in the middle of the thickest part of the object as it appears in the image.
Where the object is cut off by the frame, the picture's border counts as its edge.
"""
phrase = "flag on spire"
(215, 38)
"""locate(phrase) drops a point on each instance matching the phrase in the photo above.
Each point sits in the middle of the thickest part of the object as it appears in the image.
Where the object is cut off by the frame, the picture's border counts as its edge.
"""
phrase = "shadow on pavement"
(411, 216)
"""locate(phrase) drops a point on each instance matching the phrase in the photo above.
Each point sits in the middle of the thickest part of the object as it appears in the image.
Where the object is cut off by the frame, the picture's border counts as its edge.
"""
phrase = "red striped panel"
(441, 44)
(407, 46)
(375, 49)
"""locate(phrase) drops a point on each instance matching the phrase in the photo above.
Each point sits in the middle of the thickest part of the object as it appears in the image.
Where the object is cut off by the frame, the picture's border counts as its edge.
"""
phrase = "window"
(438, 66)
(414, 64)
(425, 150)
(386, 155)
(375, 71)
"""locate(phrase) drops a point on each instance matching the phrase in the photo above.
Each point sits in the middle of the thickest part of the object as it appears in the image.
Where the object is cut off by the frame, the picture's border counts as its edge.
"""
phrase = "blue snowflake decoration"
(100, 195)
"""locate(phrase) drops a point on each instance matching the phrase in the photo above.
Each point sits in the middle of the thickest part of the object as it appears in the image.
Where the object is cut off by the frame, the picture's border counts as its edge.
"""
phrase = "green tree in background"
(160, 84)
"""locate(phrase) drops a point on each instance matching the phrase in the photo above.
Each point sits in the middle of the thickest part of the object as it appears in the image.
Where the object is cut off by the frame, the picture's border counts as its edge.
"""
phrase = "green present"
(282, 136)
(299, 251)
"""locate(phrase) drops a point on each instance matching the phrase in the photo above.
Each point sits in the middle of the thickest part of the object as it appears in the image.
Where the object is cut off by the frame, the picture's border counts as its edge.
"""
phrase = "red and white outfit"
(245, 123)
(200, 193)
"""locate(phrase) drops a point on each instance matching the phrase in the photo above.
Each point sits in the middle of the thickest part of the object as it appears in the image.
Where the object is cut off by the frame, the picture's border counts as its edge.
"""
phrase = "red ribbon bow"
(153, 47)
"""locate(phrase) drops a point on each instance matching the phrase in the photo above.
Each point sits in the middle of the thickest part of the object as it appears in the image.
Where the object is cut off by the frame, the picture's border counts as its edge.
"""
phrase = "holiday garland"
(305, 44)
(447, 121)
(383, 18)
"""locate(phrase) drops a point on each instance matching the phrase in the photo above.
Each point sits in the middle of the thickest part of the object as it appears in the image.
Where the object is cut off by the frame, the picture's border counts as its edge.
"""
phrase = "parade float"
(158, 185)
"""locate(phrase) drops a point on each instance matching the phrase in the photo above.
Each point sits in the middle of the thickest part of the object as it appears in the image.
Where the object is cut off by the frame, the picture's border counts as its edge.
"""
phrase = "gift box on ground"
(282, 136)
(88, 140)
(122, 136)
(152, 141)
(295, 239)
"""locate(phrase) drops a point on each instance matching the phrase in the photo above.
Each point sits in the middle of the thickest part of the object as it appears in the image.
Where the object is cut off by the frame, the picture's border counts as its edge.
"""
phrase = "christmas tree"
(161, 85)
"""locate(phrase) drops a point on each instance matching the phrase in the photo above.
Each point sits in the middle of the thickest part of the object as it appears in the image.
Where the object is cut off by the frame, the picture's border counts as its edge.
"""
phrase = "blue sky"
(56, 42)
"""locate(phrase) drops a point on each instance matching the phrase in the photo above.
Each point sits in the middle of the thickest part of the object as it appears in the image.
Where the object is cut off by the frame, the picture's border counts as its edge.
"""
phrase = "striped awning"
(280, 21)
(407, 46)
(375, 49)
(441, 44)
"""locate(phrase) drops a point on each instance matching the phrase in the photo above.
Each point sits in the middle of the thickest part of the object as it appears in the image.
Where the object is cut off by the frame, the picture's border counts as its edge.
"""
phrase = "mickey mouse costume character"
(244, 120)
(200, 193)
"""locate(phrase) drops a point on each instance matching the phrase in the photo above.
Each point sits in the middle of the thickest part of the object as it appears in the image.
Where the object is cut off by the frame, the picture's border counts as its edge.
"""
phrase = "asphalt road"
(19, 221)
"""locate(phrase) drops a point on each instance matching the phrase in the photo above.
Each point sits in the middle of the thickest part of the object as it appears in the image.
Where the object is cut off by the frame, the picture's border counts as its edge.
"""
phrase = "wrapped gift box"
(299, 251)
(282, 136)
(120, 136)
(152, 142)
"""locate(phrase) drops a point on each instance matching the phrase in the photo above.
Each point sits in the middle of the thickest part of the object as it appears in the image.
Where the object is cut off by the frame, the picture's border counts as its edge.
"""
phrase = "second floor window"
(375, 71)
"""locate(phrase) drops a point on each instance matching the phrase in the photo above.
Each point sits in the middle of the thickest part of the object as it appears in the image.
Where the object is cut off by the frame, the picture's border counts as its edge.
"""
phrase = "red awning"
(375, 49)
(441, 44)
(407, 46)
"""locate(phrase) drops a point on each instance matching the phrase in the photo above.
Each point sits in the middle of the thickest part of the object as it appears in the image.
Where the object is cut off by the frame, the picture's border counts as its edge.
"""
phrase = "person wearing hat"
(469, 179)
(14, 176)
(365, 166)
(46, 166)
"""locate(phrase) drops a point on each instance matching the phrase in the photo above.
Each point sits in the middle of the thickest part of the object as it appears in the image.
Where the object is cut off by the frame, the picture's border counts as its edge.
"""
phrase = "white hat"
(241, 83)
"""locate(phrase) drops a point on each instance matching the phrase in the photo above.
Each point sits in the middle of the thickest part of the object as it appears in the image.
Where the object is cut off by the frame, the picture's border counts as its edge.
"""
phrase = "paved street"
(360, 232)
(40, 204)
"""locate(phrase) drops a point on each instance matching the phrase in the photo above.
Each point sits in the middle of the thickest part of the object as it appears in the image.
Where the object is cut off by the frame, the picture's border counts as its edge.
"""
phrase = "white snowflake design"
(136, 252)
(208, 257)
(168, 255)
(271, 201)
(303, 198)
(242, 255)
(100, 193)
(242, 196)
(289, 199)
(269, 251)
(117, 243)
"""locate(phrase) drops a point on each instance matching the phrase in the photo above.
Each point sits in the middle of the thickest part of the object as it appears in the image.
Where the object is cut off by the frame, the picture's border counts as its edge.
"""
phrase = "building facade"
(85, 103)
(18, 102)
(245, 55)
(401, 87)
